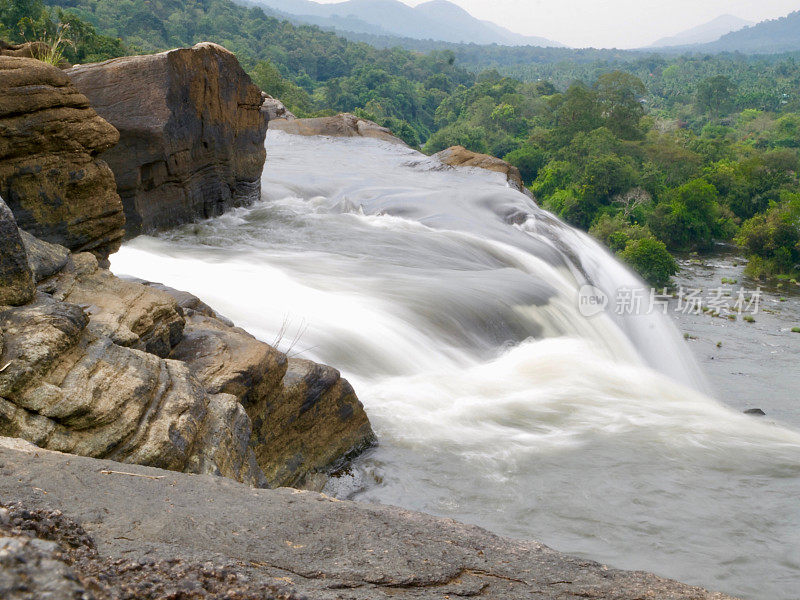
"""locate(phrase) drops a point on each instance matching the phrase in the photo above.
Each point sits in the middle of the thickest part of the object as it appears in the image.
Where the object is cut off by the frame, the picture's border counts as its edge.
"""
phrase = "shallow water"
(451, 303)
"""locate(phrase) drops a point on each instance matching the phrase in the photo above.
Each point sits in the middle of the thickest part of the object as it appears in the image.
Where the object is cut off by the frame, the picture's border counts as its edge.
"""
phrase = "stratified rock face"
(85, 374)
(192, 133)
(50, 175)
(109, 368)
(305, 418)
(458, 156)
(26, 50)
(16, 278)
(342, 125)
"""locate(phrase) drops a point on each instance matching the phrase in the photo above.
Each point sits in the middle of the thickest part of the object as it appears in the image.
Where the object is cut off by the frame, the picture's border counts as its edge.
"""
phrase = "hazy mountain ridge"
(434, 20)
(705, 33)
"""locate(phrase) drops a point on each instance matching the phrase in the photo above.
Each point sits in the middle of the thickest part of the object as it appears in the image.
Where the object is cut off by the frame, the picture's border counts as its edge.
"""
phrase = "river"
(452, 303)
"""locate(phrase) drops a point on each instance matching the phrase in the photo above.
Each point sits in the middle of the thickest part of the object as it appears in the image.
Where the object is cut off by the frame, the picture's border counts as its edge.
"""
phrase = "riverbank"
(750, 364)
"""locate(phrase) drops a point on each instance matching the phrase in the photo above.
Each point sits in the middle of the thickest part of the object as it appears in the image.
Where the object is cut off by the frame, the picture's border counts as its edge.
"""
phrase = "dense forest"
(651, 154)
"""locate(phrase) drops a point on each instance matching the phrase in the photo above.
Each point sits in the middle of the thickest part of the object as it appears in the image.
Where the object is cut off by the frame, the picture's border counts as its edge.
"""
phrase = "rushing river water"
(451, 302)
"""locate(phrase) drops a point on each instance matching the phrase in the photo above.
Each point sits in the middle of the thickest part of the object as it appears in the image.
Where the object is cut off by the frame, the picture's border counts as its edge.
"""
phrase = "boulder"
(191, 133)
(274, 108)
(67, 387)
(342, 125)
(458, 156)
(50, 175)
(306, 419)
(16, 278)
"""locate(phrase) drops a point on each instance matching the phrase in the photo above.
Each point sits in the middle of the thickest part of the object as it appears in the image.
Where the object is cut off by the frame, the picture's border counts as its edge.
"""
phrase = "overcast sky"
(614, 23)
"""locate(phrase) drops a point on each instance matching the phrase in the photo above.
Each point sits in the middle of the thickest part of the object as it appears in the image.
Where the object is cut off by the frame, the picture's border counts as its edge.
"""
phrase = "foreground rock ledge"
(312, 544)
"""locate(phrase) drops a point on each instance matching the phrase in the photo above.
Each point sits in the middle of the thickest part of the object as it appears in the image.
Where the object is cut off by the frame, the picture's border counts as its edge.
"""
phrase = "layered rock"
(50, 174)
(458, 156)
(25, 50)
(191, 132)
(94, 365)
(306, 419)
(103, 367)
(342, 125)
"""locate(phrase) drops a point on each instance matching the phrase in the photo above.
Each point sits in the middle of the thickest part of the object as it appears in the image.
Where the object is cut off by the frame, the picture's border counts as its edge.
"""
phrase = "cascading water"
(450, 301)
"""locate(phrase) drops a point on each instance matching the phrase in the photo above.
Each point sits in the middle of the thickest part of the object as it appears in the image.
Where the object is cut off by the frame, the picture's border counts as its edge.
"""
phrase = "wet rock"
(50, 176)
(192, 133)
(16, 279)
(755, 411)
(311, 426)
(342, 125)
(458, 156)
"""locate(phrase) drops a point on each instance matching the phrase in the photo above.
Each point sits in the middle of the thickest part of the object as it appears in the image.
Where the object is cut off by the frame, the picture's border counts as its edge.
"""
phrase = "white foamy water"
(451, 303)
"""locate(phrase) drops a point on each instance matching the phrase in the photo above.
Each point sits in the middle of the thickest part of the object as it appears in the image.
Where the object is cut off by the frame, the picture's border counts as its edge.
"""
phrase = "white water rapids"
(450, 301)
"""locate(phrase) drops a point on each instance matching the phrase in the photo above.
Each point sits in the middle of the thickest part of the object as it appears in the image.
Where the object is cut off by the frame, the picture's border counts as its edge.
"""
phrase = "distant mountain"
(768, 37)
(702, 34)
(435, 20)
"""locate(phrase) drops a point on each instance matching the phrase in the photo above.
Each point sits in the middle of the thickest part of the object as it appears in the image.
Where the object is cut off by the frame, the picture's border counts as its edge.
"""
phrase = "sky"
(614, 23)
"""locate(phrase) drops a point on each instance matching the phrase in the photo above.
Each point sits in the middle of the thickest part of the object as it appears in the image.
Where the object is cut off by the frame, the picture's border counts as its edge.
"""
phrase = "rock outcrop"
(458, 156)
(103, 367)
(191, 133)
(305, 418)
(50, 175)
(313, 546)
(342, 125)
(275, 109)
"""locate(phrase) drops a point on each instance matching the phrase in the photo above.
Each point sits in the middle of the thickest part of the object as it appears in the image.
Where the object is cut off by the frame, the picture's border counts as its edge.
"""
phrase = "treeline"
(644, 182)
(652, 154)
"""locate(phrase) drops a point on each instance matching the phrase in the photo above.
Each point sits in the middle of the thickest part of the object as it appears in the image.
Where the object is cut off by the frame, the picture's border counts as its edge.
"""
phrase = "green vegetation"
(795, 329)
(651, 154)
(70, 38)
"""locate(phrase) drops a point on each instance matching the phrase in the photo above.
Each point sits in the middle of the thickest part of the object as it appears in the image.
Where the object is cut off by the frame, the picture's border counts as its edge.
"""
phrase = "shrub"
(529, 160)
(651, 259)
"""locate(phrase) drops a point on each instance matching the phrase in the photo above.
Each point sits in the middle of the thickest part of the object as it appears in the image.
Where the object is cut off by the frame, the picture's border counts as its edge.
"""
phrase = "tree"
(619, 96)
(578, 111)
(529, 160)
(715, 94)
(688, 219)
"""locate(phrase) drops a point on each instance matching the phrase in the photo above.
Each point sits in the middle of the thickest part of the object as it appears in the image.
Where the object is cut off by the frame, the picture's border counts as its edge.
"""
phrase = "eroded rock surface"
(275, 109)
(191, 132)
(16, 277)
(342, 125)
(50, 175)
(317, 547)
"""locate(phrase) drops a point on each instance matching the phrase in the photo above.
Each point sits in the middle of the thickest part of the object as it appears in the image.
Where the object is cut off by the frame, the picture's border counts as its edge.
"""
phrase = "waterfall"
(452, 303)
